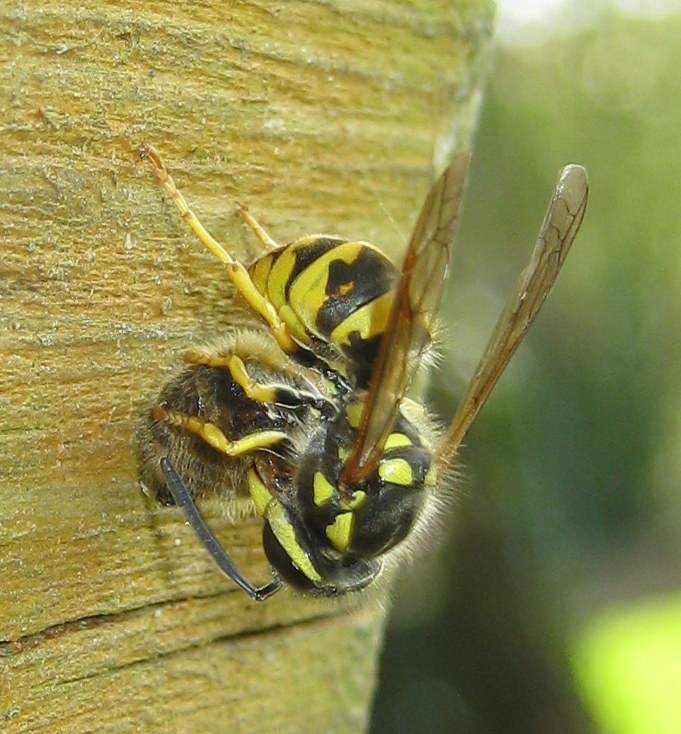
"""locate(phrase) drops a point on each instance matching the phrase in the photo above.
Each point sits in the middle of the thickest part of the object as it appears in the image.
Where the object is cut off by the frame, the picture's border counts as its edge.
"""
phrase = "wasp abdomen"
(332, 291)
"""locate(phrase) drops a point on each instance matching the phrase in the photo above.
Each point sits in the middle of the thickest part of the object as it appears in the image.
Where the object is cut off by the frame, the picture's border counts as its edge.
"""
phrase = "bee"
(306, 412)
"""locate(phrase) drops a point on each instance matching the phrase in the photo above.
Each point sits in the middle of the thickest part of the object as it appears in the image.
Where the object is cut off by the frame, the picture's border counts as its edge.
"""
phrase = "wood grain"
(321, 116)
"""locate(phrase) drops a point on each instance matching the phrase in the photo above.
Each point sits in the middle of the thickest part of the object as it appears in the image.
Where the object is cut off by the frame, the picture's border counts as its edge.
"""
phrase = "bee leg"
(236, 271)
(184, 499)
(213, 436)
(274, 394)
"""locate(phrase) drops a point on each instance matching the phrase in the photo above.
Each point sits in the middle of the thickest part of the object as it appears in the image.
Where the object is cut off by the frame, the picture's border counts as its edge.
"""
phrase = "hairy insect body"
(306, 413)
(339, 536)
(212, 395)
(334, 297)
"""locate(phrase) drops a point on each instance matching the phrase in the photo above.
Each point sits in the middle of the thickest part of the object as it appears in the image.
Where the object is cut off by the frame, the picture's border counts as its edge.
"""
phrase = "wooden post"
(321, 116)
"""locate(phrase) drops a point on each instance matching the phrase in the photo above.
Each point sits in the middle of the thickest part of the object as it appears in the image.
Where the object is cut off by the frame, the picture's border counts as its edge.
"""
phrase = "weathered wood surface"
(112, 618)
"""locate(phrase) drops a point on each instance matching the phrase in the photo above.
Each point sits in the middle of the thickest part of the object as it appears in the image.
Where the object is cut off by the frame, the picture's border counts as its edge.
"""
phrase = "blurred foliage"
(629, 666)
(571, 504)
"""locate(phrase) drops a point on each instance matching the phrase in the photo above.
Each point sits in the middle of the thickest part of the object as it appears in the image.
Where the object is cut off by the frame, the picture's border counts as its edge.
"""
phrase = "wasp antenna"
(183, 499)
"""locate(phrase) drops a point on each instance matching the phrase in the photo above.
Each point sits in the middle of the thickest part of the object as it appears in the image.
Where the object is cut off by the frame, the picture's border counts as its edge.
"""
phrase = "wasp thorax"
(326, 538)
(359, 523)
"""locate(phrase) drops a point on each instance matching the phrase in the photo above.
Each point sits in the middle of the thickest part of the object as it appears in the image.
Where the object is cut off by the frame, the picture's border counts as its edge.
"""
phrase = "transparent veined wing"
(409, 325)
(562, 221)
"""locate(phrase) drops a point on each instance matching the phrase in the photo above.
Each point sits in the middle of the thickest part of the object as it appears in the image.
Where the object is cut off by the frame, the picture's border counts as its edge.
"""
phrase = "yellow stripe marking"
(353, 412)
(259, 493)
(309, 290)
(358, 499)
(260, 272)
(293, 323)
(286, 535)
(396, 471)
(340, 531)
(322, 488)
(397, 441)
(368, 321)
(280, 274)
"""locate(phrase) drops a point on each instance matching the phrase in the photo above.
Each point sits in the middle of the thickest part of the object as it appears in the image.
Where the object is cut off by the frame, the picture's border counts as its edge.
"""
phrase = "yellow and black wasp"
(307, 412)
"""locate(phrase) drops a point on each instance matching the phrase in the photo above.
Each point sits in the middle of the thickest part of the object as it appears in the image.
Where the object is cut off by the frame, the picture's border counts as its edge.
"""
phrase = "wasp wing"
(408, 329)
(562, 221)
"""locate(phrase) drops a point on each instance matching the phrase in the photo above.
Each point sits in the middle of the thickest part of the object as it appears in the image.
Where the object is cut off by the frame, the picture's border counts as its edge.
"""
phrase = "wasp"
(306, 411)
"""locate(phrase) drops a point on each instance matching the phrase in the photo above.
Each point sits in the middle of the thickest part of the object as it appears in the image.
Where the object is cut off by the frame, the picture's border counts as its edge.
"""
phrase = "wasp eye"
(335, 574)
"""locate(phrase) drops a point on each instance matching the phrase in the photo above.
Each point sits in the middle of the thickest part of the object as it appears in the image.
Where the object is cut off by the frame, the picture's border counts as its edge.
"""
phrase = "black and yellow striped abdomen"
(331, 291)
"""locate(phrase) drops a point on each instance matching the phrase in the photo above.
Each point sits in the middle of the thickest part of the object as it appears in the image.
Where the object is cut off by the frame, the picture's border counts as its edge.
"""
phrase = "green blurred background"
(552, 602)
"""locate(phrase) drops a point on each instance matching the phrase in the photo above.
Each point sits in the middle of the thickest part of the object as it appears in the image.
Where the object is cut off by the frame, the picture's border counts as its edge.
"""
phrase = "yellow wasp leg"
(237, 368)
(235, 270)
(214, 437)
(258, 229)
(262, 393)
(263, 354)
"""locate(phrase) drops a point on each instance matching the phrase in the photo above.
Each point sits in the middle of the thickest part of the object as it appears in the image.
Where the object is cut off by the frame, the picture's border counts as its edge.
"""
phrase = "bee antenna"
(183, 499)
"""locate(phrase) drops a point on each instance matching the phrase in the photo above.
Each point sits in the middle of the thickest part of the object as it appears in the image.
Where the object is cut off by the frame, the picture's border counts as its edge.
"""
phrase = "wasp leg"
(251, 347)
(258, 229)
(273, 394)
(236, 271)
(213, 436)
(184, 499)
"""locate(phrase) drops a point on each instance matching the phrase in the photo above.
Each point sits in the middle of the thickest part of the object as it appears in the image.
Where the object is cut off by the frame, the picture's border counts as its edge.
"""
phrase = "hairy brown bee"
(307, 414)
